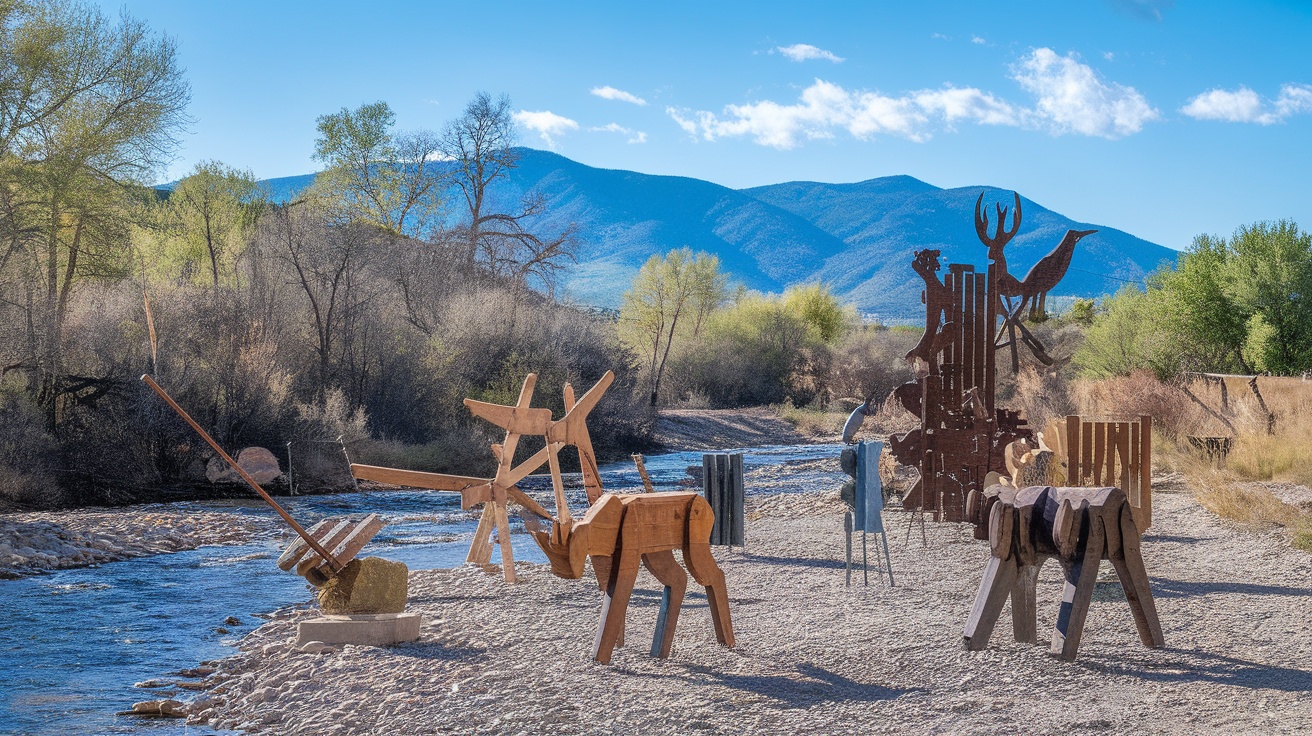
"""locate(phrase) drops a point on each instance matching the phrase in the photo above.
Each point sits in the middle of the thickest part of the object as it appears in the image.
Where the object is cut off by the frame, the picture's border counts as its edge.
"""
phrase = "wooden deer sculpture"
(620, 532)
(495, 493)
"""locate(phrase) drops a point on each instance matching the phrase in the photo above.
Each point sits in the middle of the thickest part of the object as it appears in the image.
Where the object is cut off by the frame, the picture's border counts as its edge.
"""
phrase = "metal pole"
(314, 544)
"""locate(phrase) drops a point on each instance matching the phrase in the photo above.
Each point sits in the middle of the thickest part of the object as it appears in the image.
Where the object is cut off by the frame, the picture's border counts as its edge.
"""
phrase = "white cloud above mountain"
(548, 125)
(804, 52)
(611, 93)
(1069, 97)
(633, 136)
(1243, 105)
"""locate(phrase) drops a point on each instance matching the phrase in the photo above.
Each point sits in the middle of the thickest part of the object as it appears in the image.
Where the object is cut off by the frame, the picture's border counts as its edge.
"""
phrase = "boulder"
(366, 585)
(259, 464)
(163, 708)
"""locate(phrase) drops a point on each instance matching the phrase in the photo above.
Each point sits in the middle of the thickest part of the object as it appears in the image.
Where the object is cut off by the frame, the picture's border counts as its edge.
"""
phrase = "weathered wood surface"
(620, 533)
(1078, 527)
(496, 492)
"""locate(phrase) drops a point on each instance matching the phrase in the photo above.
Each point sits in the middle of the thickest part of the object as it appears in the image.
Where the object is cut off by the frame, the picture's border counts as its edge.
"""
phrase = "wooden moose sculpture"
(495, 493)
(1079, 527)
(620, 532)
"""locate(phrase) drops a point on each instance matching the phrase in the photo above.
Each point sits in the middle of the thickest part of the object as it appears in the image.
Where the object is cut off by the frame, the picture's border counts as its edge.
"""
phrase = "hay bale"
(366, 585)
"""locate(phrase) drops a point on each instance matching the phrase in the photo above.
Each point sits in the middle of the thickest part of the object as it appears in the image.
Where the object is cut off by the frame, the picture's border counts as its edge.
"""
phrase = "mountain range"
(858, 238)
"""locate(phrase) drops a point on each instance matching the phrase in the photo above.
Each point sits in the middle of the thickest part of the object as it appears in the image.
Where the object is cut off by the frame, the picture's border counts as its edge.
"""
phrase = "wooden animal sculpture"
(620, 532)
(496, 492)
(1078, 527)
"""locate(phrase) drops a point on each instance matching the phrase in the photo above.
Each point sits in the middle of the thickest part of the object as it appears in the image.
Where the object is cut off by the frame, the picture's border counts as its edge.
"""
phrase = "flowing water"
(73, 643)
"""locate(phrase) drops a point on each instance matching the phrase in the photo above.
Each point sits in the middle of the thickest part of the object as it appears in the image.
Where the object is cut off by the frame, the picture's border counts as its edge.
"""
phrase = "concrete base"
(377, 629)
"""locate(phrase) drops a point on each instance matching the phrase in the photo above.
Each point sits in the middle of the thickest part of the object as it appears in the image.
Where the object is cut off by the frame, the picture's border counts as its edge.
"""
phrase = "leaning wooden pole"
(310, 540)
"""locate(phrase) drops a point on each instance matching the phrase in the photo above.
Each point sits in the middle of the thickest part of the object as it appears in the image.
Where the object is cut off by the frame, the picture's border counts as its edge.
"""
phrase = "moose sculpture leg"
(1079, 527)
(622, 532)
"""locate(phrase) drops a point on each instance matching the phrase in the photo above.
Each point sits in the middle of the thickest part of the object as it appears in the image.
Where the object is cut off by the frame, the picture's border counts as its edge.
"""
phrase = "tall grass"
(1261, 450)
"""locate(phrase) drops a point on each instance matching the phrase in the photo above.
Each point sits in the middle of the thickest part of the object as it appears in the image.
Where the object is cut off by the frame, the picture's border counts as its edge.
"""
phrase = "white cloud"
(548, 125)
(1070, 97)
(1243, 105)
(978, 40)
(610, 93)
(634, 136)
(825, 108)
(1073, 98)
(805, 51)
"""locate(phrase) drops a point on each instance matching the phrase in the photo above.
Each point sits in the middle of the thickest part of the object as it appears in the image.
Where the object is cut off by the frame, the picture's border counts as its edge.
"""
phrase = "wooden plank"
(969, 340)
(362, 533)
(1144, 512)
(1123, 454)
(297, 549)
(1100, 454)
(503, 534)
(999, 579)
(514, 419)
(739, 521)
(1081, 577)
(415, 478)
(1086, 453)
(1134, 579)
(330, 541)
(1135, 460)
(1072, 448)
(1024, 604)
(480, 549)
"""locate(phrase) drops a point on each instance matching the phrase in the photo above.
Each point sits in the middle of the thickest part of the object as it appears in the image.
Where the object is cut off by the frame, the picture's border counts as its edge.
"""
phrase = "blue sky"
(1164, 119)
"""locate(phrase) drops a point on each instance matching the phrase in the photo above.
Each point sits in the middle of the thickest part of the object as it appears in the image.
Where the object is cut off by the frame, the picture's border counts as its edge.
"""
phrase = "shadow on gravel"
(1174, 538)
(811, 685)
(798, 561)
(1168, 588)
(1192, 665)
(438, 651)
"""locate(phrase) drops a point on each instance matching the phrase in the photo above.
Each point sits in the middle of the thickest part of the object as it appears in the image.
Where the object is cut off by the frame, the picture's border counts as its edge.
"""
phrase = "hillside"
(859, 238)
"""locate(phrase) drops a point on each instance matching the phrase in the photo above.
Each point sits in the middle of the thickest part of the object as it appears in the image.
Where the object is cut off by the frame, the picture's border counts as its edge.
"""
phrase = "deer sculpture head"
(1001, 235)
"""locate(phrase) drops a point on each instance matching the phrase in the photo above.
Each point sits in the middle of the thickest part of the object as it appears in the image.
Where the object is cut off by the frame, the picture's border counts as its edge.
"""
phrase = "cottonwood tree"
(480, 147)
(89, 108)
(207, 218)
(376, 175)
(670, 296)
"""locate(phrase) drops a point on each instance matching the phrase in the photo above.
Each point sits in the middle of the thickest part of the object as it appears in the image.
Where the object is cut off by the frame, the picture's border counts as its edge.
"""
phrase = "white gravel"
(814, 656)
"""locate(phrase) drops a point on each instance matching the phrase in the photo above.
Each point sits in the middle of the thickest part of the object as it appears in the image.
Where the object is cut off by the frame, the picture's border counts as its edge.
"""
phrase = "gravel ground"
(814, 656)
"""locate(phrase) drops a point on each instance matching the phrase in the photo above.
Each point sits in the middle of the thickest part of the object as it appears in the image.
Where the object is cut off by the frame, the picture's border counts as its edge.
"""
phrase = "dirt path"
(723, 429)
(814, 656)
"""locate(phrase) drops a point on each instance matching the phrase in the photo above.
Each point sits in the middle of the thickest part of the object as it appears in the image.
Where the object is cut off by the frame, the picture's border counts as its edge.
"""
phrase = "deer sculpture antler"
(1008, 285)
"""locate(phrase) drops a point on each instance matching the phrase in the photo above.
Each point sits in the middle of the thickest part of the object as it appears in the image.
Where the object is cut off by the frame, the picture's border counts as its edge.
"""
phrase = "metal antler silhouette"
(1032, 291)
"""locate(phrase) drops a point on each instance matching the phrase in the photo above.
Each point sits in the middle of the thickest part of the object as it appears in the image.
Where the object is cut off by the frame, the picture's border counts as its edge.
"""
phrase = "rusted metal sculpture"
(968, 316)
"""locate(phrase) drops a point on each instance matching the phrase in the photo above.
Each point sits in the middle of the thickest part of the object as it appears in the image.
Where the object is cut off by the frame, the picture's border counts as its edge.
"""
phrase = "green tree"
(820, 310)
(208, 216)
(1127, 336)
(376, 175)
(1269, 280)
(89, 109)
(671, 296)
(1207, 326)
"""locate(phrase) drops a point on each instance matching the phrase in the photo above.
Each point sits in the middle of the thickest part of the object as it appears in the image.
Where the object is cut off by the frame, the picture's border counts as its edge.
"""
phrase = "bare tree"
(480, 145)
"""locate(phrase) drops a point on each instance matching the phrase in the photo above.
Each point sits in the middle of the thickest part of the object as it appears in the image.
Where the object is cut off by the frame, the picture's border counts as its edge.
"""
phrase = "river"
(73, 642)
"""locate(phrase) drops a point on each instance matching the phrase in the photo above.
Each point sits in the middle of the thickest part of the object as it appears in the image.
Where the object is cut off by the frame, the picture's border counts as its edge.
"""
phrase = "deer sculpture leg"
(697, 556)
(623, 573)
(671, 575)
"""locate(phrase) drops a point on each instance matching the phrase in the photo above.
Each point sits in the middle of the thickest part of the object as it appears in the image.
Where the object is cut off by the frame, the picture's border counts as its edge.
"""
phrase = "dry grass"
(1234, 491)
(811, 420)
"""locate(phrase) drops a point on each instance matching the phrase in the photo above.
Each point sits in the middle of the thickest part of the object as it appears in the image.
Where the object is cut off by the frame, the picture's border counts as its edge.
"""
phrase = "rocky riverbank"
(37, 542)
(813, 656)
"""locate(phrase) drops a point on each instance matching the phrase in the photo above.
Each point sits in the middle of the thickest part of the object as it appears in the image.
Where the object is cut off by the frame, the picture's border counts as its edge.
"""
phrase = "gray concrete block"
(377, 629)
